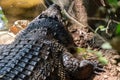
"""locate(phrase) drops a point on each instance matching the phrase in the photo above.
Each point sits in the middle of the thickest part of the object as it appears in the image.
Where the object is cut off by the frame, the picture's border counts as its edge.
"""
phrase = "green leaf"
(106, 45)
(2, 16)
(99, 54)
(117, 32)
(1, 12)
(103, 60)
(113, 3)
(79, 50)
(101, 28)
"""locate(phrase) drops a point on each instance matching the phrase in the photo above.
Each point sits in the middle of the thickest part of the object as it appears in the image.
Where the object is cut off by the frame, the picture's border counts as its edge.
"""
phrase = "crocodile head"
(53, 11)
(50, 19)
(59, 31)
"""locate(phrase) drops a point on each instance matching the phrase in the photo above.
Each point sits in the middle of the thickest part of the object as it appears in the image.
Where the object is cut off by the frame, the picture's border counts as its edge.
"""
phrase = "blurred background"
(21, 9)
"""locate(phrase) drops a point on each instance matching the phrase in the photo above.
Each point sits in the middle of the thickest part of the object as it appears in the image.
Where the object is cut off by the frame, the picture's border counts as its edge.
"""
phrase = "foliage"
(99, 55)
(113, 3)
(3, 18)
(103, 60)
(106, 45)
(101, 28)
(117, 32)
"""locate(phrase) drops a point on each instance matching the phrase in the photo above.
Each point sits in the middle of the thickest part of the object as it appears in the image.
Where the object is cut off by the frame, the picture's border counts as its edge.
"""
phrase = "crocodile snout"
(53, 11)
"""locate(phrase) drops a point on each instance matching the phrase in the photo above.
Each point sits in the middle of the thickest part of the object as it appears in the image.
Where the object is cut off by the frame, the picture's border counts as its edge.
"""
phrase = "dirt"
(85, 38)
(112, 69)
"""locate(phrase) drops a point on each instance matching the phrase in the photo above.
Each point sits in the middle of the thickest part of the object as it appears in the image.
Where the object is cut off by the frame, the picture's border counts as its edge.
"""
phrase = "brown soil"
(83, 38)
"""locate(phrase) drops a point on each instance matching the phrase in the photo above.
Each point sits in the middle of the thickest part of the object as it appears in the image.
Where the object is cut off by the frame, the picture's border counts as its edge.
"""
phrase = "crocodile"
(41, 52)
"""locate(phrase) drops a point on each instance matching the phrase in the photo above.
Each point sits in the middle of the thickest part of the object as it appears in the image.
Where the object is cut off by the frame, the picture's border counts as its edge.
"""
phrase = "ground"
(112, 69)
(85, 38)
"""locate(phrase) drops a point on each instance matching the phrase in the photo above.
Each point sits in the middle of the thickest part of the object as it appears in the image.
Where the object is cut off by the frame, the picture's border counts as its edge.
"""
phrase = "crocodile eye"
(34, 31)
(42, 16)
(54, 17)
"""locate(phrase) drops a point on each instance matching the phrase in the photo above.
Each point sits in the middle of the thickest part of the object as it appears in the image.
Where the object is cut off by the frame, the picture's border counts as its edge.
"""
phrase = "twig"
(43, 3)
(103, 19)
(6, 32)
(103, 2)
(107, 27)
(73, 19)
(80, 24)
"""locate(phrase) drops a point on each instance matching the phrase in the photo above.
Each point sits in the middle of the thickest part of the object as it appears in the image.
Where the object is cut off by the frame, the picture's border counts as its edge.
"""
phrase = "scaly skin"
(40, 52)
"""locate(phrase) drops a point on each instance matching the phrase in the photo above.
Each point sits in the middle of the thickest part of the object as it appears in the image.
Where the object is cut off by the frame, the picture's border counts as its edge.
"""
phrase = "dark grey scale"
(10, 61)
(7, 68)
(22, 64)
(3, 61)
(18, 57)
(32, 42)
(4, 70)
(29, 67)
(11, 75)
(21, 67)
(5, 53)
(26, 72)
(11, 65)
(28, 56)
(13, 53)
(24, 42)
(15, 72)
(7, 50)
(2, 64)
(36, 59)
(19, 46)
(24, 50)
(36, 47)
(44, 54)
(20, 77)
(49, 68)
(46, 68)
(11, 46)
(2, 56)
(20, 39)
(15, 50)
(8, 57)
(32, 62)
(25, 60)
(46, 72)
(18, 68)
(15, 61)
(6, 78)
(22, 53)
(28, 46)
(42, 75)
(35, 53)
